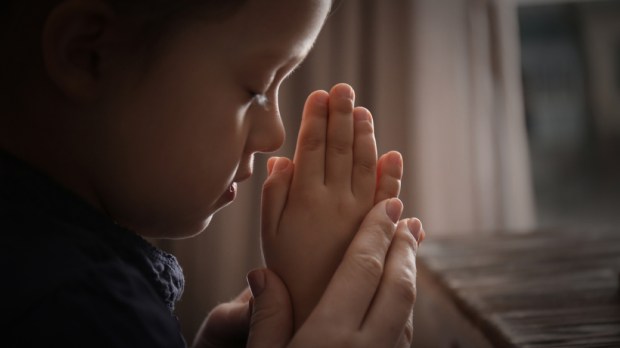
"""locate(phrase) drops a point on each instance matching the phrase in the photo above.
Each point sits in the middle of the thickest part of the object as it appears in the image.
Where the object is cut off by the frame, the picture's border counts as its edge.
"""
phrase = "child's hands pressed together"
(312, 207)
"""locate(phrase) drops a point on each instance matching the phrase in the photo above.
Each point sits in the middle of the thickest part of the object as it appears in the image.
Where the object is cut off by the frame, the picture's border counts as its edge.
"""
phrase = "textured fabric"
(72, 277)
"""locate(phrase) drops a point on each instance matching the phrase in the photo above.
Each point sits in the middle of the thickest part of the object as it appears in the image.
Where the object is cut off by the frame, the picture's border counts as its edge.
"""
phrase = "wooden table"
(544, 289)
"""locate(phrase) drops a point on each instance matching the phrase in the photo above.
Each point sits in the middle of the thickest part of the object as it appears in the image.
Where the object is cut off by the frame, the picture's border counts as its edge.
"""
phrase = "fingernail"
(415, 227)
(321, 99)
(361, 114)
(256, 281)
(394, 208)
(395, 158)
(345, 91)
(280, 165)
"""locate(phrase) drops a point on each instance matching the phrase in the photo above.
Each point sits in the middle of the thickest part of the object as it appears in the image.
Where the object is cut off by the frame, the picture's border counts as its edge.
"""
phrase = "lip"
(231, 192)
(227, 196)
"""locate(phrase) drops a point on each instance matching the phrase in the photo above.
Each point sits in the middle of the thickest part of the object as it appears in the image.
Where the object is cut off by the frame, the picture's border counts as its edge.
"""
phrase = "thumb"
(272, 315)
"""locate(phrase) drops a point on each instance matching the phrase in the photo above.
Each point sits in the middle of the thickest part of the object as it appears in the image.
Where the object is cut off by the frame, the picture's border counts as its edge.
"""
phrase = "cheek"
(198, 152)
(172, 159)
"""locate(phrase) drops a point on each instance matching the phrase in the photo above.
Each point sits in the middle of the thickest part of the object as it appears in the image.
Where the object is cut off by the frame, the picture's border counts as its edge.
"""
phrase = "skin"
(366, 304)
(313, 208)
(157, 148)
(141, 139)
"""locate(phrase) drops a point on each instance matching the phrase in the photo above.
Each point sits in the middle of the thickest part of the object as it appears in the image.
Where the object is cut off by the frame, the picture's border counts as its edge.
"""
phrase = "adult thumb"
(272, 314)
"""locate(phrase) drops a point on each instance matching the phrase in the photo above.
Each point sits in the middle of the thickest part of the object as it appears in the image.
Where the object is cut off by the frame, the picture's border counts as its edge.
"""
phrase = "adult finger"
(352, 288)
(227, 325)
(272, 315)
(406, 337)
(393, 304)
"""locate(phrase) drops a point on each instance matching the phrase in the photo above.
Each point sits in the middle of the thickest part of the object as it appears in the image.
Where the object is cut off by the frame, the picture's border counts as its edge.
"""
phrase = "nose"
(267, 132)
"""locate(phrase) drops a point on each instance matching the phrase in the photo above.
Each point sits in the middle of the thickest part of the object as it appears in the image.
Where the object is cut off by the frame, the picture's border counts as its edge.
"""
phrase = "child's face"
(171, 142)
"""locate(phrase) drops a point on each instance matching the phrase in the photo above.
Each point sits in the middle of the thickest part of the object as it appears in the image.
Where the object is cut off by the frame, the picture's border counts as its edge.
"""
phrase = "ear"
(73, 45)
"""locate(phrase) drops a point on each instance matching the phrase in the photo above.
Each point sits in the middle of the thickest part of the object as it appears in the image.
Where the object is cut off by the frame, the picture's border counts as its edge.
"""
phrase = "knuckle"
(391, 185)
(408, 332)
(311, 143)
(364, 127)
(366, 167)
(379, 235)
(339, 147)
(384, 228)
(405, 288)
(344, 107)
(370, 265)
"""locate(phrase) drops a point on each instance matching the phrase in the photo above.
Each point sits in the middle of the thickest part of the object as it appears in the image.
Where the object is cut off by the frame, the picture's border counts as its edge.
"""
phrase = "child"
(141, 116)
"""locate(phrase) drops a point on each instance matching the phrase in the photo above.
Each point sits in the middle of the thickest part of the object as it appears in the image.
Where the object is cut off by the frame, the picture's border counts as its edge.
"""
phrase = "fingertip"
(281, 164)
(422, 235)
(270, 163)
(395, 158)
(343, 90)
(256, 282)
(415, 228)
(394, 208)
(360, 113)
(318, 98)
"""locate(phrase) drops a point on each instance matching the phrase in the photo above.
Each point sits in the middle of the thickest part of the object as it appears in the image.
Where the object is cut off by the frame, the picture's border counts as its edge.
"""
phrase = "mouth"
(231, 192)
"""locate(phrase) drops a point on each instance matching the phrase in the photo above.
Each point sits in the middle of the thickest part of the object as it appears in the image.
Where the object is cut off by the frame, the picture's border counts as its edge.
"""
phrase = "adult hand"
(368, 302)
(267, 309)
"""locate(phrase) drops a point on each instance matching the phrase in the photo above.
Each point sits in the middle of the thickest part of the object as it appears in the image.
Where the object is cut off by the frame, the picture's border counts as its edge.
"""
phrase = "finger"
(227, 324)
(415, 226)
(390, 170)
(350, 292)
(393, 304)
(339, 151)
(364, 156)
(275, 193)
(310, 151)
(271, 324)
(243, 297)
(420, 235)
(270, 163)
(406, 337)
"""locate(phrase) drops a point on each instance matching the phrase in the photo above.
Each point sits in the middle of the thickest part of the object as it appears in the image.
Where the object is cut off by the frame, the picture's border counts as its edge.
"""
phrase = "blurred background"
(507, 114)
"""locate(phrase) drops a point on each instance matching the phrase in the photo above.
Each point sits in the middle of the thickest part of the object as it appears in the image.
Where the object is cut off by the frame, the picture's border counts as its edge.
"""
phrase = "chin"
(194, 230)
(179, 231)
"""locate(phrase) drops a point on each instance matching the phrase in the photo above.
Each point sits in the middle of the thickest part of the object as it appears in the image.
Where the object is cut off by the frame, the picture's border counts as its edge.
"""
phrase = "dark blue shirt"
(71, 277)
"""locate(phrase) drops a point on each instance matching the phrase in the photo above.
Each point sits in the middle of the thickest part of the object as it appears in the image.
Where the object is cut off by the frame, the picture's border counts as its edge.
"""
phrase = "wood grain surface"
(543, 289)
